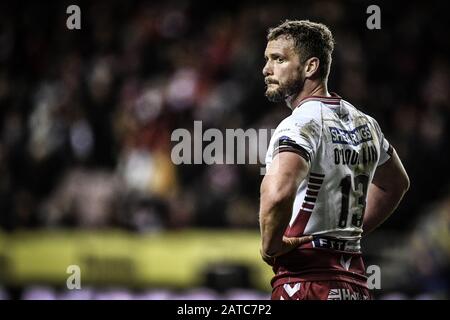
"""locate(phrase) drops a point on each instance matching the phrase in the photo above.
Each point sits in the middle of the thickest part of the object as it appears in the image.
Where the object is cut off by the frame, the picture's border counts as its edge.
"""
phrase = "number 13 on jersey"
(353, 189)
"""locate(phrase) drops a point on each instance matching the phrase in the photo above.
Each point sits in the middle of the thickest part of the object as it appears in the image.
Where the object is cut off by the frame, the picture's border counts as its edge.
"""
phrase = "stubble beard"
(283, 92)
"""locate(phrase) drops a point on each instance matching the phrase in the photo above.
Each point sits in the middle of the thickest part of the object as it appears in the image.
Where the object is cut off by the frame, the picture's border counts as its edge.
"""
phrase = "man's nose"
(267, 70)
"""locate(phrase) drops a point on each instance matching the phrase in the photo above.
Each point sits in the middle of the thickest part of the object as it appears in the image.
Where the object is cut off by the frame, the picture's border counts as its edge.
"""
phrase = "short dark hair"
(311, 39)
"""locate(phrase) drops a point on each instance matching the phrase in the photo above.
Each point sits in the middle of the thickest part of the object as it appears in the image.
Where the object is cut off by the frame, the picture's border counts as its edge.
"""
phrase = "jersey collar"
(333, 100)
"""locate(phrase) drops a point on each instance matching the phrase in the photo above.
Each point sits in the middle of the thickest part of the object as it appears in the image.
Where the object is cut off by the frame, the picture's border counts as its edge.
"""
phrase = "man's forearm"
(278, 191)
(380, 205)
(274, 218)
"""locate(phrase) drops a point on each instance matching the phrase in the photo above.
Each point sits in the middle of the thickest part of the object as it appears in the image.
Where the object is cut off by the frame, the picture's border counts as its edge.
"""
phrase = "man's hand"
(288, 244)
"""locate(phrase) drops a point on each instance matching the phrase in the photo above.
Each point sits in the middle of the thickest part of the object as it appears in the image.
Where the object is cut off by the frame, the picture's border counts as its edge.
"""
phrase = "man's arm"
(388, 187)
(278, 191)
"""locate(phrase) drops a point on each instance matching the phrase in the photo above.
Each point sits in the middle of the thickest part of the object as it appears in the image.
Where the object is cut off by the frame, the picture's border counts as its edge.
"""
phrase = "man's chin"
(274, 96)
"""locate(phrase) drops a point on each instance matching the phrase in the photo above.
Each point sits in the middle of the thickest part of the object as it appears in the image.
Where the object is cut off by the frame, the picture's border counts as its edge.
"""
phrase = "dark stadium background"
(85, 123)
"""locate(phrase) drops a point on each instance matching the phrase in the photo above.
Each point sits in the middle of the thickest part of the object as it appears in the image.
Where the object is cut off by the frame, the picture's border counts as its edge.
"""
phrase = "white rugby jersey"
(344, 146)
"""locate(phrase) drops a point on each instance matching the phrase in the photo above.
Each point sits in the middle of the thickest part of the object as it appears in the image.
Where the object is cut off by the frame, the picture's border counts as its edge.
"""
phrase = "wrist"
(272, 248)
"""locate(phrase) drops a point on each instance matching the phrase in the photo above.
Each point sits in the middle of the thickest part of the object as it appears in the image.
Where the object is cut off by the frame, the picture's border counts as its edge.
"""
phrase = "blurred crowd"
(86, 115)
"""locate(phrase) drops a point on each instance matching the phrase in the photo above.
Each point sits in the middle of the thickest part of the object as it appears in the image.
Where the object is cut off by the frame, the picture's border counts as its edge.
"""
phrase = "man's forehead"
(280, 45)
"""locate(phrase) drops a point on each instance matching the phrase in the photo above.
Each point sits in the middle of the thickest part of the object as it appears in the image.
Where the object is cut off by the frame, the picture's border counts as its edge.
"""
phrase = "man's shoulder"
(300, 117)
(311, 108)
(284, 126)
(306, 113)
(357, 112)
(307, 121)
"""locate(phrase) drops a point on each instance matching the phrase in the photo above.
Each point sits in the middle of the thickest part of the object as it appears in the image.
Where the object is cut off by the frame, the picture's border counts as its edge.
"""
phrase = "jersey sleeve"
(385, 147)
(299, 133)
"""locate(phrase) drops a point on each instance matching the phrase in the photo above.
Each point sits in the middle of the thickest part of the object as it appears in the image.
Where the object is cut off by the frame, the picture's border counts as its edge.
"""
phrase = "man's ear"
(312, 67)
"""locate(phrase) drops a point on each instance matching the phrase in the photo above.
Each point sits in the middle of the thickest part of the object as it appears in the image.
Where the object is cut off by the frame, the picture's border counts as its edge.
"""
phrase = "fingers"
(295, 242)
(306, 239)
(288, 245)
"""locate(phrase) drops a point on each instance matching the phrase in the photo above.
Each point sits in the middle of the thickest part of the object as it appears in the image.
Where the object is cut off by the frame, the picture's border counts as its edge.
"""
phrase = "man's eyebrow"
(273, 55)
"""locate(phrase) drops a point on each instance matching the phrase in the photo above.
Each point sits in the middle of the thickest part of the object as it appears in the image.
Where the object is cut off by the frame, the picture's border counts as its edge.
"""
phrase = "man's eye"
(280, 60)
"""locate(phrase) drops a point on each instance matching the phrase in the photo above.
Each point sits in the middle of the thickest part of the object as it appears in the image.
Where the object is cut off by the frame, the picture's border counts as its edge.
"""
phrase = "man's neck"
(309, 89)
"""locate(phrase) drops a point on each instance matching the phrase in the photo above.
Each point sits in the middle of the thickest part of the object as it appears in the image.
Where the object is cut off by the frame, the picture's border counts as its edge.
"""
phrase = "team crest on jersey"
(354, 137)
(285, 138)
(285, 143)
